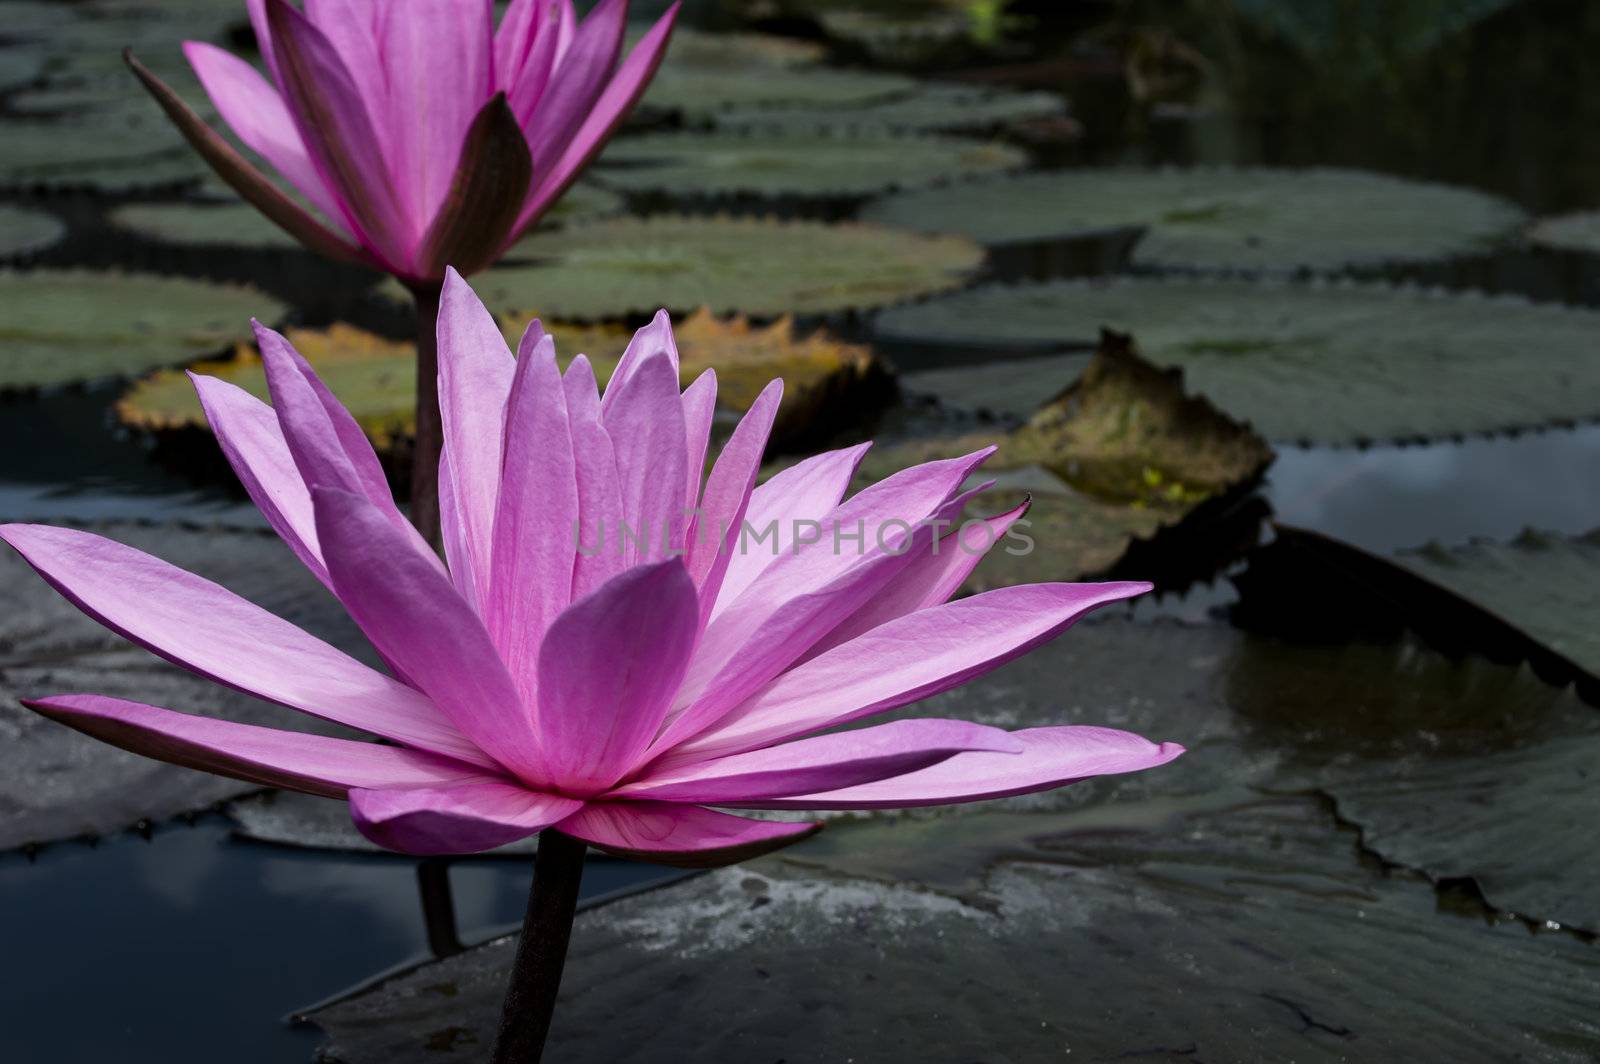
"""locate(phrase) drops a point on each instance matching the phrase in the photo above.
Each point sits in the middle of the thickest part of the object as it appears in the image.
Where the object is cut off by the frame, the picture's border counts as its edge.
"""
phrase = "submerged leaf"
(1327, 362)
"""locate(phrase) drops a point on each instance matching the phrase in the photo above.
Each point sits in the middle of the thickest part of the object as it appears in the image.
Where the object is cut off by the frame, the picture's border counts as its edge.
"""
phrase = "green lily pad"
(826, 382)
(582, 202)
(1579, 231)
(692, 49)
(56, 783)
(24, 232)
(761, 267)
(107, 155)
(929, 107)
(1246, 220)
(1331, 363)
(229, 224)
(1050, 922)
(702, 93)
(68, 326)
(1530, 599)
(696, 165)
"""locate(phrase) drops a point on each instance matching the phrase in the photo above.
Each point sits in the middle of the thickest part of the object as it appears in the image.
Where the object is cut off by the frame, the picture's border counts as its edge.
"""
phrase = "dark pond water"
(168, 948)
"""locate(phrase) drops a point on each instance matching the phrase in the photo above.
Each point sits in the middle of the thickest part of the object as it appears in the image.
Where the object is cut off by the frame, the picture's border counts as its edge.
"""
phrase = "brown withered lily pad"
(1531, 599)
(1051, 922)
(826, 382)
(58, 784)
(1126, 455)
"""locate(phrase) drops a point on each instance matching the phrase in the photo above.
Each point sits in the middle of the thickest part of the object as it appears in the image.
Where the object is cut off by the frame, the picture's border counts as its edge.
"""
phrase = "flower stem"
(542, 951)
(429, 431)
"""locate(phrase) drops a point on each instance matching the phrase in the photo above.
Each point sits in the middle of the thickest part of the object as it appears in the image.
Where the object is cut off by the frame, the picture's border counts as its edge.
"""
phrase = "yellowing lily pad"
(825, 381)
(69, 326)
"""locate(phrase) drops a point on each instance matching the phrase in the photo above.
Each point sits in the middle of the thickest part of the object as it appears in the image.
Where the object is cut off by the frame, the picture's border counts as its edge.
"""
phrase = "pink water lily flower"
(421, 134)
(555, 674)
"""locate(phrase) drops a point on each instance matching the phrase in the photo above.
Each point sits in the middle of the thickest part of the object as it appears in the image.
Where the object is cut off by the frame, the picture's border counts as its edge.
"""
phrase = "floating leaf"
(1579, 231)
(692, 49)
(826, 382)
(755, 266)
(1255, 220)
(1326, 362)
(229, 224)
(1256, 920)
(24, 232)
(56, 783)
(929, 107)
(702, 93)
(105, 156)
(696, 165)
(580, 203)
(1532, 599)
(67, 326)
(1123, 455)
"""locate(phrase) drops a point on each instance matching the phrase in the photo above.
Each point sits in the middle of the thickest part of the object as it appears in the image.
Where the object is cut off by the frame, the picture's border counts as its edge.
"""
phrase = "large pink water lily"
(552, 674)
(421, 133)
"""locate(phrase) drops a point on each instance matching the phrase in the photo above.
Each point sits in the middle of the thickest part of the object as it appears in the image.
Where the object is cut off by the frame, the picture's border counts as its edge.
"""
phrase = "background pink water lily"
(420, 132)
(615, 694)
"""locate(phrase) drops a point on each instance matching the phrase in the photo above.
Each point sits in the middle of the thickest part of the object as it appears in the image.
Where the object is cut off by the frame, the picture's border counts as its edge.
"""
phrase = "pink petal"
(806, 491)
(645, 422)
(599, 555)
(1053, 757)
(905, 660)
(805, 594)
(263, 32)
(412, 614)
(824, 762)
(207, 629)
(250, 437)
(475, 374)
(688, 836)
(438, 63)
(939, 565)
(456, 818)
(526, 48)
(314, 764)
(718, 527)
(604, 115)
(576, 83)
(648, 342)
(352, 28)
(533, 551)
(699, 410)
(256, 114)
(608, 670)
(338, 131)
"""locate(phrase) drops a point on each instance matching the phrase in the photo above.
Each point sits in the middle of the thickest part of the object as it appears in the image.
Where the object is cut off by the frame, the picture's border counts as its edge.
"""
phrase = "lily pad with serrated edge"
(376, 377)
(698, 165)
(1134, 456)
(930, 107)
(1533, 598)
(24, 232)
(1334, 363)
(106, 156)
(1245, 220)
(1165, 882)
(70, 326)
(58, 784)
(760, 267)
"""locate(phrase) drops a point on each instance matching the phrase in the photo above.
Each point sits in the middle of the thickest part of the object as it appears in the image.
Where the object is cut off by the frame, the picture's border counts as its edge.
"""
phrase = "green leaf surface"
(764, 268)
(67, 326)
(793, 164)
(1578, 231)
(226, 224)
(24, 232)
(1328, 363)
(701, 93)
(928, 107)
(1223, 219)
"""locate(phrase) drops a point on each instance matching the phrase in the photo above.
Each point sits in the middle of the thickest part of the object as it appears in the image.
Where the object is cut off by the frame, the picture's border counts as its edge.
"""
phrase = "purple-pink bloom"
(421, 133)
(619, 693)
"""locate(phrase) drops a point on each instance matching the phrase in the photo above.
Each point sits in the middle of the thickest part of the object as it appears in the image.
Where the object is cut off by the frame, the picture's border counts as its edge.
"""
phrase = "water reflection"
(193, 945)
